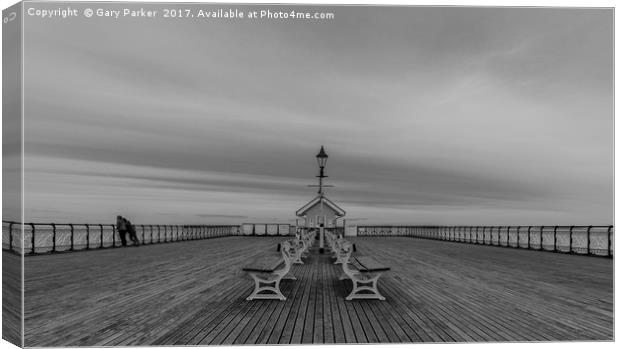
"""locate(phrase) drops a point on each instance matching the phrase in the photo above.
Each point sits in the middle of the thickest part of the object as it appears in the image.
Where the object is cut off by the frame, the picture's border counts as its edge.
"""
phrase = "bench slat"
(265, 264)
(368, 264)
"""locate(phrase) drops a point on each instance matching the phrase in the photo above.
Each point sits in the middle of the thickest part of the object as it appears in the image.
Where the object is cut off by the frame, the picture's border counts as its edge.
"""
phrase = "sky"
(443, 116)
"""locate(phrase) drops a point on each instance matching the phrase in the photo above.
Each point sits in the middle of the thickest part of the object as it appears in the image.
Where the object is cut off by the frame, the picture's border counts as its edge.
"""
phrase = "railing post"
(570, 239)
(518, 235)
(491, 235)
(609, 240)
(165, 233)
(499, 235)
(529, 236)
(11, 237)
(555, 239)
(101, 229)
(114, 235)
(151, 229)
(32, 238)
(158, 234)
(72, 237)
(588, 240)
(87, 236)
(53, 237)
(142, 227)
(542, 227)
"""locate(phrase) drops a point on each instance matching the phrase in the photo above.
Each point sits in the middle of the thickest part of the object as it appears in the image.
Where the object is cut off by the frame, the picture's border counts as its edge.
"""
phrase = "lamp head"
(321, 157)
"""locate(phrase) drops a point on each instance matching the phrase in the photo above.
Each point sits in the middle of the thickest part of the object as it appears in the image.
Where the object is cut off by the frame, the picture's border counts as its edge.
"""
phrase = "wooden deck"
(194, 293)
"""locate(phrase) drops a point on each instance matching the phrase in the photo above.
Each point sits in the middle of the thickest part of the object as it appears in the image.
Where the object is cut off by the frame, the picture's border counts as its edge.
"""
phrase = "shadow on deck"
(194, 293)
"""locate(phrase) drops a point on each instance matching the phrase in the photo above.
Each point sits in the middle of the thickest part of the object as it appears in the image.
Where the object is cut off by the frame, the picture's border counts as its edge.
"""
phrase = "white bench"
(297, 248)
(364, 272)
(340, 247)
(342, 251)
(267, 273)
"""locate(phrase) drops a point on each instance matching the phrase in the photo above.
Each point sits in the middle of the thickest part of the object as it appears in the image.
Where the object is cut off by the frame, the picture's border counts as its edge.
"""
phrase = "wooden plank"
(360, 335)
(327, 319)
(194, 293)
(305, 312)
(343, 329)
(11, 298)
(319, 315)
(285, 316)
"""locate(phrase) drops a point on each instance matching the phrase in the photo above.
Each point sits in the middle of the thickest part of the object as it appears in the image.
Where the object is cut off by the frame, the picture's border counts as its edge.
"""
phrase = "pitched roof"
(302, 211)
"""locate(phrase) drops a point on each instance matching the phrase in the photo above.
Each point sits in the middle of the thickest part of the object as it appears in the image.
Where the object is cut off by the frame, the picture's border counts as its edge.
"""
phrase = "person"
(132, 233)
(121, 227)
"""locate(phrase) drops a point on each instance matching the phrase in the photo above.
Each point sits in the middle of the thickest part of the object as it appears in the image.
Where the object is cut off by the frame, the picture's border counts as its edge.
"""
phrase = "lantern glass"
(321, 157)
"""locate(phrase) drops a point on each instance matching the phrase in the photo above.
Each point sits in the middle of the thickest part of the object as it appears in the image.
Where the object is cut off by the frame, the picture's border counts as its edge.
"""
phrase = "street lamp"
(321, 159)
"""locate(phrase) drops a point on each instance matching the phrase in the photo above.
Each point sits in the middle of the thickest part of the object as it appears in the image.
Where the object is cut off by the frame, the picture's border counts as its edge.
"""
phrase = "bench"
(268, 271)
(364, 273)
(342, 250)
(302, 244)
(297, 249)
(340, 247)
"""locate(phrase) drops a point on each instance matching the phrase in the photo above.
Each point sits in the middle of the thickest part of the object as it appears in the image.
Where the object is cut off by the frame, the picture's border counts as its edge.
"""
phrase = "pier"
(194, 292)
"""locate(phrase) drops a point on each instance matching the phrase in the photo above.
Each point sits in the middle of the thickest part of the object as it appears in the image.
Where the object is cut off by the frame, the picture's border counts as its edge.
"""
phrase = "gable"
(327, 205)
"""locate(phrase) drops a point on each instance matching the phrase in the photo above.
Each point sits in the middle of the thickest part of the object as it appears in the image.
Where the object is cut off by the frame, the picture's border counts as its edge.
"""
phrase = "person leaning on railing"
(132, 233)
(121, 227)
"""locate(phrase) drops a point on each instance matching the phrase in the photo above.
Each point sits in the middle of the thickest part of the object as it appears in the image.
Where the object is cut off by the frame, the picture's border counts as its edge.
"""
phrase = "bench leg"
(369, 286)
(289, 276)
(262, 285)
(339, 259)
(297, 259)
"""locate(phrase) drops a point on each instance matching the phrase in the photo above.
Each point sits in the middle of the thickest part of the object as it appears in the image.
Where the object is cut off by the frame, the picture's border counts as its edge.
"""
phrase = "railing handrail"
(150, 234)
(496, 235)
(171, 233)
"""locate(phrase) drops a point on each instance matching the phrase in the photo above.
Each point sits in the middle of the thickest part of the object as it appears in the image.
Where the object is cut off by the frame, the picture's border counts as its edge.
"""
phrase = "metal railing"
(267, 229)
(60, 237)
(587, 240)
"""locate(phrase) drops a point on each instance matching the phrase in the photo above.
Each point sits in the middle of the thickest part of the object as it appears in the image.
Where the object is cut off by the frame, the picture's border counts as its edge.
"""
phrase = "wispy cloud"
(435, 115)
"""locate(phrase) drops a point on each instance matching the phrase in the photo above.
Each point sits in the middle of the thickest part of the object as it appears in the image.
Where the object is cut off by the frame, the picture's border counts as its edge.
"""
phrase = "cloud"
(426, 113)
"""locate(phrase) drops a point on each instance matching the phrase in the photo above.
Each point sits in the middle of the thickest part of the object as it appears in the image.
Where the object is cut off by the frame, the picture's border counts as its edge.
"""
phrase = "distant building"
(320, 211)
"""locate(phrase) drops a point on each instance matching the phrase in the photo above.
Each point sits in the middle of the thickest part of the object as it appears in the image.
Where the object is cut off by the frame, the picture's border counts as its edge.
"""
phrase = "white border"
(489, 3)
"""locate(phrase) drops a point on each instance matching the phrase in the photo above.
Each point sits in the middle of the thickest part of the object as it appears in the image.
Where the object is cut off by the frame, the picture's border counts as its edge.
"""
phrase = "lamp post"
(321, 159)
